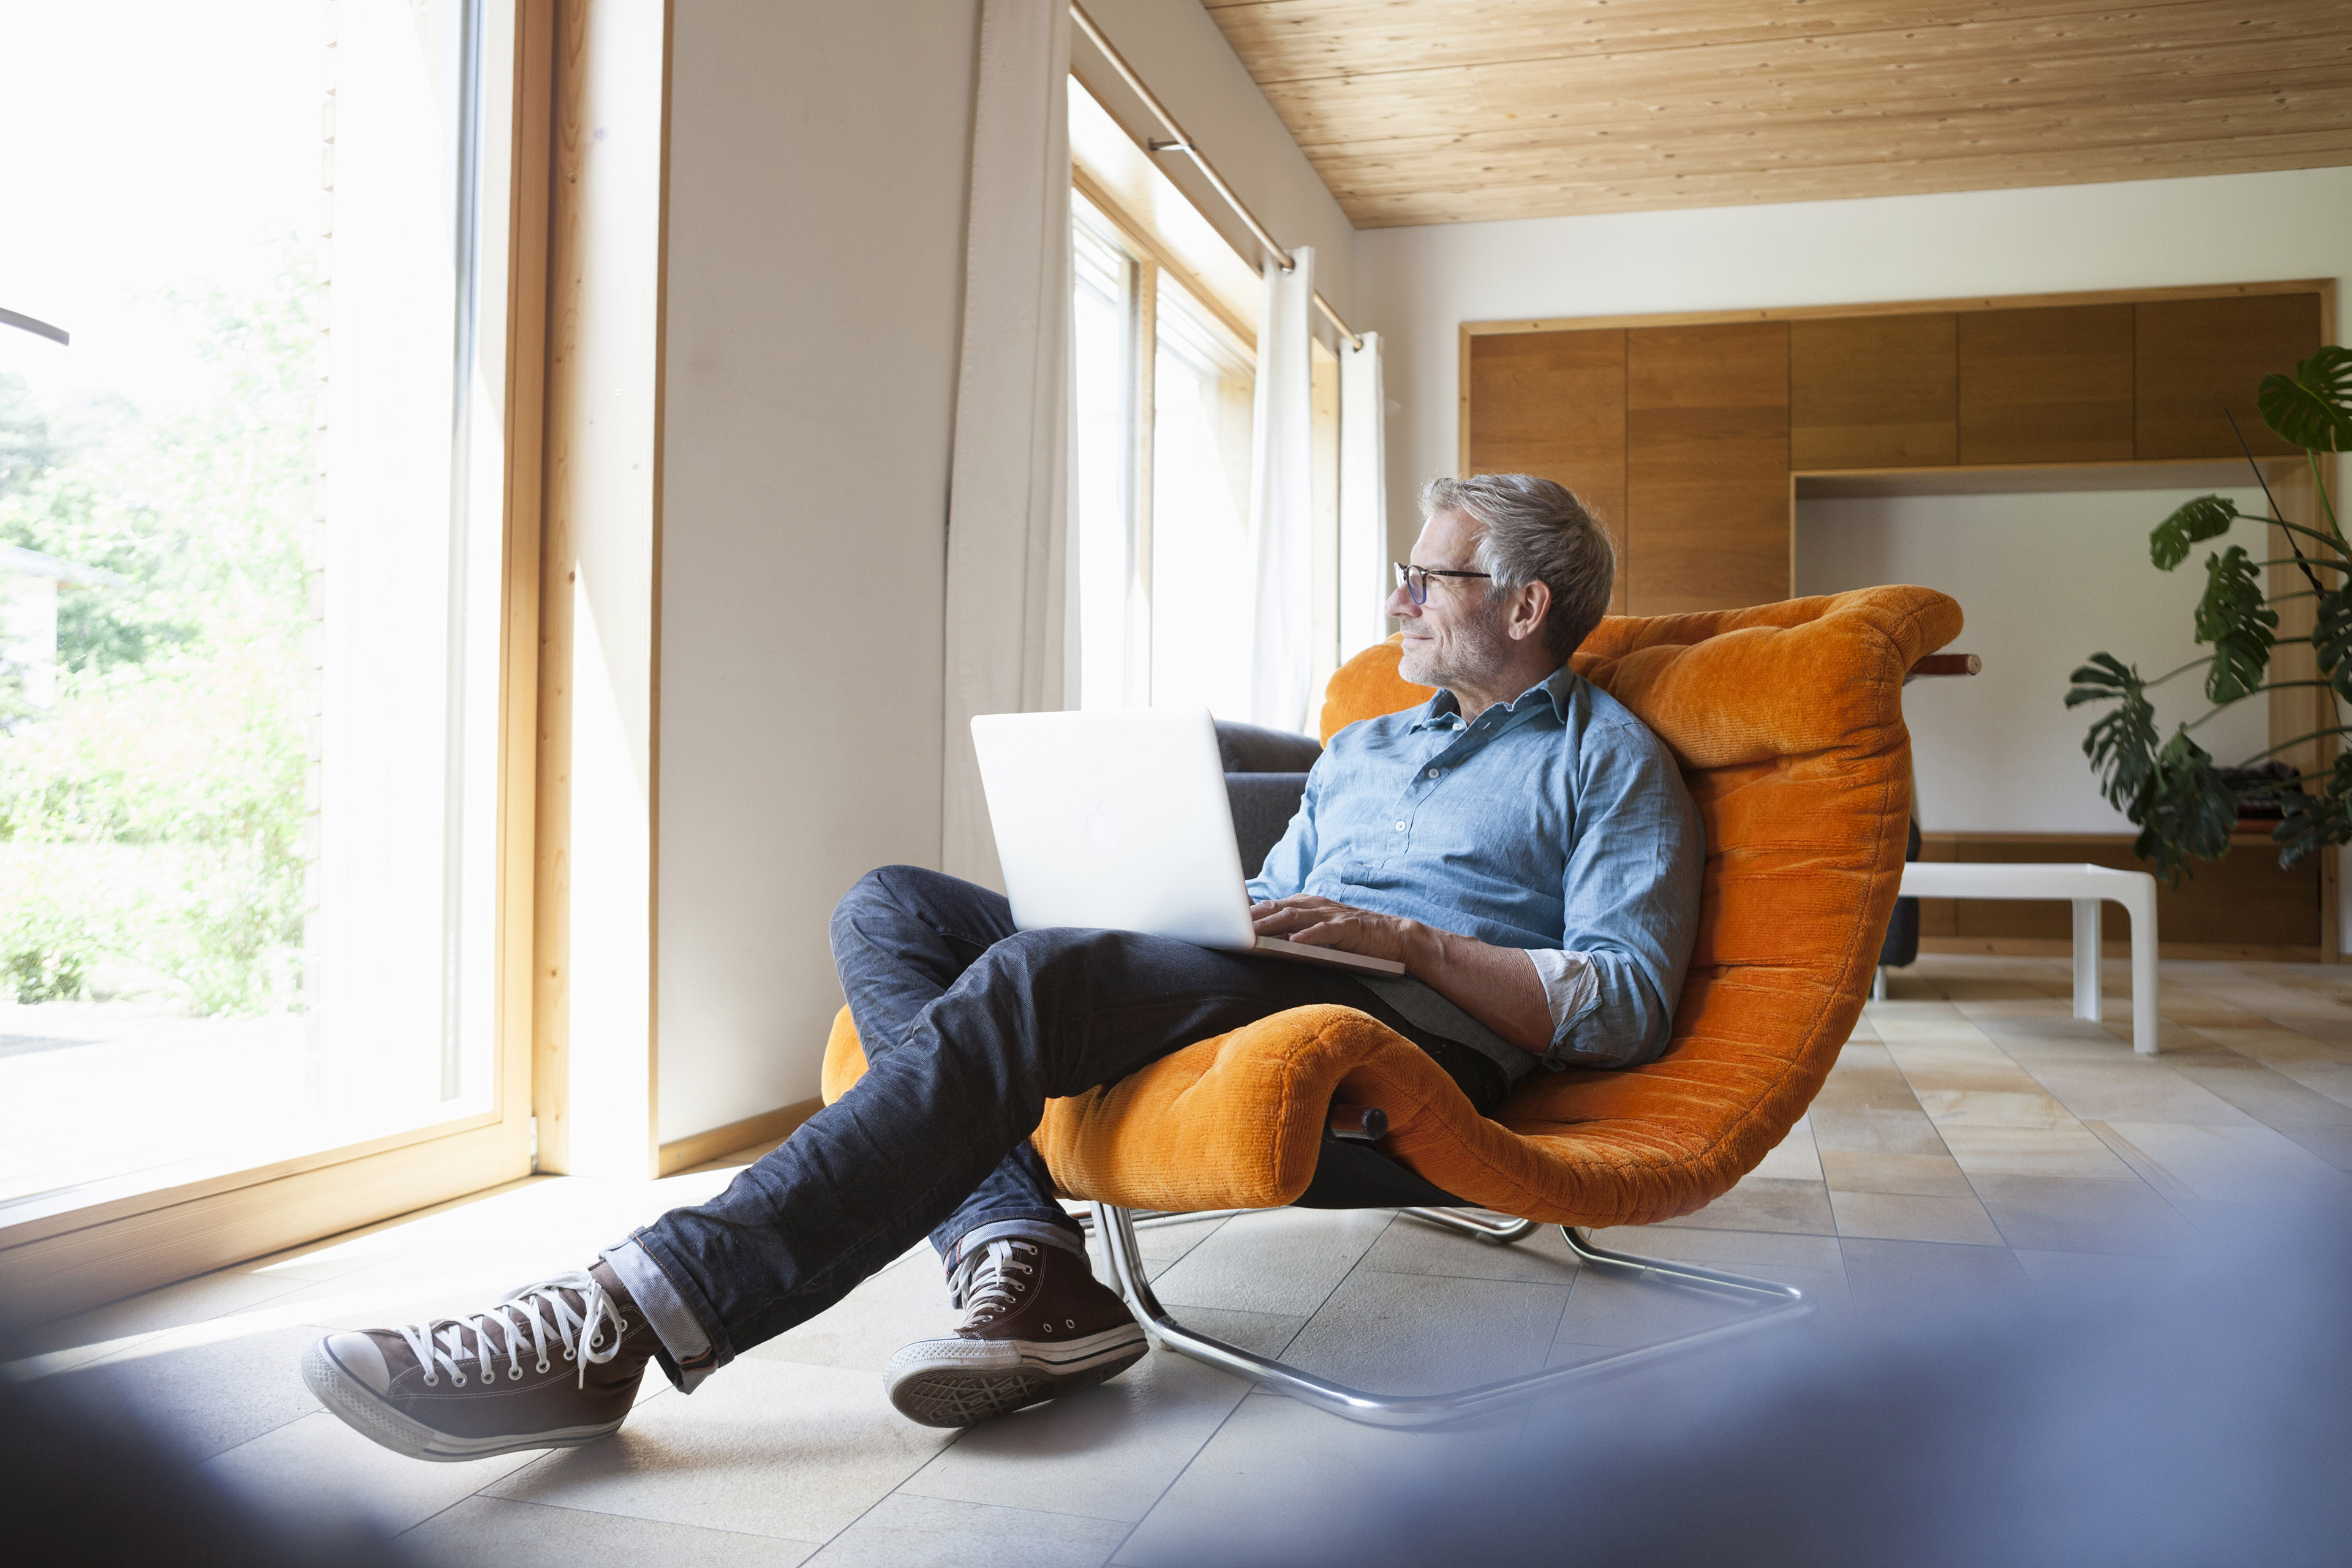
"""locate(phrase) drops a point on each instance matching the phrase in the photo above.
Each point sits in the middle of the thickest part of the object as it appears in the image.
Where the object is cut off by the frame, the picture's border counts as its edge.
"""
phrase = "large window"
(251, 577)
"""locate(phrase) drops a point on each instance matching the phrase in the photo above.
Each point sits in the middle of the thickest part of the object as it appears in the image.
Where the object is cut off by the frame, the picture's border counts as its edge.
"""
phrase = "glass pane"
(1102, 403)
(1201, 561)
(248, 605)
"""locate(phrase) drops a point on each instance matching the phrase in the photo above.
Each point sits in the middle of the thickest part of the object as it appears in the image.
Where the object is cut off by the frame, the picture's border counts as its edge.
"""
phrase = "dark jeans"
(969, 1026)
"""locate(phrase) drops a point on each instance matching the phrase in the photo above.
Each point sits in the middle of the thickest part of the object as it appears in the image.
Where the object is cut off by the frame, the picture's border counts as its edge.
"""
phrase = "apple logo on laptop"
(1101, 828)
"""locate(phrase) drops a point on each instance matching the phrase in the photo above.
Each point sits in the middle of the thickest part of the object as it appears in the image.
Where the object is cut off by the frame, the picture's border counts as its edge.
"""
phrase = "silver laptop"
(1120, 821)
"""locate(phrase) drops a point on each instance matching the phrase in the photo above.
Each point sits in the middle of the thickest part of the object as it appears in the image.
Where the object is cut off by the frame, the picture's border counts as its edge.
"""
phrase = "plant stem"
(2299, 740)
(2168, 674)
(2306, 559)
(2268, 686)
(2327, 506)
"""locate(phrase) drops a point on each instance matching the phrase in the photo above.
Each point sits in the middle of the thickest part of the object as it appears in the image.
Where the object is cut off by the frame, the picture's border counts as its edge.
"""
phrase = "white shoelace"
(985, 1283)
(520, 1309)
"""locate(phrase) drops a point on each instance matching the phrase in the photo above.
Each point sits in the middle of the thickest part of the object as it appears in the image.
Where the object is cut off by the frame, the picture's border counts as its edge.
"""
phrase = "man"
(1520, 843)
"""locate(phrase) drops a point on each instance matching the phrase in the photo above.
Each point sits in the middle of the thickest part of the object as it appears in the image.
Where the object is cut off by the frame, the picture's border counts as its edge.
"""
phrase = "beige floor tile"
(317, 1473)
(203, 1390)
(1112, 1449)
(2265, 1095)
(767, 1448)
(1909, 1281)
(1988, 1070)
(1836, 1129)
(2133, 1091)
(69, 1343)
(2331, 1079)
(1868, 1088)
(2073, 1151)
(1404, 1333)
(1927, 1175)
(1795, 1158)
(1283, 1262)
(2071, 1214)
(903, 1531)
(1949, 1108)
(1609, 1307)
(496, 1532)
(1909, 1217)
(1280, 1466)
(2101, 1273)
(2331, 1140)
(2233, 1164)
(1762, 1204)
(1416, 1247)
(2274, 1044)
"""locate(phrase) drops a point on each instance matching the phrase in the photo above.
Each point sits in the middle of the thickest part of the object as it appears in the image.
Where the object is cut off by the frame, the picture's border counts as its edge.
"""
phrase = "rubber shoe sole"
(958, 1382)
(360, 1408)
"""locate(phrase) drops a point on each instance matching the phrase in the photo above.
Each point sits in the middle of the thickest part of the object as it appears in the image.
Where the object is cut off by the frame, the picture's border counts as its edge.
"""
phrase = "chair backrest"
(1786, 720)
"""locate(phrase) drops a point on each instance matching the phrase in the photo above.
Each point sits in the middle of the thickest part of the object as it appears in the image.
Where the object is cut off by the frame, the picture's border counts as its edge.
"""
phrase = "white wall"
(819, 154)
(1175, 45)
(2046, 581)
(1418, 286)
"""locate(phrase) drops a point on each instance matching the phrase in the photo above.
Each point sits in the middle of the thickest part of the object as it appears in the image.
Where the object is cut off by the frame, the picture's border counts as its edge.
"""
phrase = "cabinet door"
(2197, 358)
(1553, 405)
(1872, 392)
(2046, 385)
(1707, 467)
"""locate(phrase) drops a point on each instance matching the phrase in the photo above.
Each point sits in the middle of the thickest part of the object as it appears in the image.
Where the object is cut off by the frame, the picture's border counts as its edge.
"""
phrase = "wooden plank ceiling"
(1449, 111)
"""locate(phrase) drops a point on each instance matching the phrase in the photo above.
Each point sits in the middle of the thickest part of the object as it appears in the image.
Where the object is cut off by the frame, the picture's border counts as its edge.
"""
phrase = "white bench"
(2083, 885)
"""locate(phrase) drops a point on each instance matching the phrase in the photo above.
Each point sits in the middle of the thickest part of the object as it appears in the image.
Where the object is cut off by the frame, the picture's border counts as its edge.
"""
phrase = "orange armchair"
(1787, 721)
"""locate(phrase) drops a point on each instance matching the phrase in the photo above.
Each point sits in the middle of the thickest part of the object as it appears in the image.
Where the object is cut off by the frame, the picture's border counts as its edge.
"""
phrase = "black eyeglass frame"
(1414, 580)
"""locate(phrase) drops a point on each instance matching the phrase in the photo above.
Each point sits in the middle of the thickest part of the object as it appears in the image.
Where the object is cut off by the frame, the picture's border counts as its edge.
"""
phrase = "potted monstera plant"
(2183, 804)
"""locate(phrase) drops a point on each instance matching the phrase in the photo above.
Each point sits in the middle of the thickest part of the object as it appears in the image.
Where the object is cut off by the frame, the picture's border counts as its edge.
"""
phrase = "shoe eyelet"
(568, 1353)
(542, 1366)
(458, 1379)
(1069, 1323)
(432, 1383)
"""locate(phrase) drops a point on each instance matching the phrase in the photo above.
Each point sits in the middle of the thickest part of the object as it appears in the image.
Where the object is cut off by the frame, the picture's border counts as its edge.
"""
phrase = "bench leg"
(1773, 1303)
(2142, 906)
(2087, 998)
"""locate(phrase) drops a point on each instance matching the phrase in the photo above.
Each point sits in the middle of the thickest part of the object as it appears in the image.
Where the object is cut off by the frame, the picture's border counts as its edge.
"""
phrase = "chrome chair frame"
(1775, 1304)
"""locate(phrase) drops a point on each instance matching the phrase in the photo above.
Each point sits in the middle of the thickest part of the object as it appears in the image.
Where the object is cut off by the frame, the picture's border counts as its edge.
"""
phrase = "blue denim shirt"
(1556, 822)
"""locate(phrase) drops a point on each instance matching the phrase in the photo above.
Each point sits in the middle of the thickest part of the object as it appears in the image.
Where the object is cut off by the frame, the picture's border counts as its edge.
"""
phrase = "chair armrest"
(1263, 805)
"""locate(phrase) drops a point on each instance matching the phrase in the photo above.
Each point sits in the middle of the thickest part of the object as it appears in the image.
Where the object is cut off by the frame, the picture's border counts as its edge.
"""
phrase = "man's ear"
(1528, 611)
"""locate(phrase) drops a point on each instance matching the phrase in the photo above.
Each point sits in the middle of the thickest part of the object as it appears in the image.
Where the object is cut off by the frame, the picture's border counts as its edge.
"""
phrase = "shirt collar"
(1445, 711)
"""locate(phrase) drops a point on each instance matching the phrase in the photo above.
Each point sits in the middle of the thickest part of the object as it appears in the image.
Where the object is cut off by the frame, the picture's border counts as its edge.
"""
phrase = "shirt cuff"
(1571, 986)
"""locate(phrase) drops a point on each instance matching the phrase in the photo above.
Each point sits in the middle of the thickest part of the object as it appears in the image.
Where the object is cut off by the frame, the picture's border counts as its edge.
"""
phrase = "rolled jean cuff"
(688, 1356)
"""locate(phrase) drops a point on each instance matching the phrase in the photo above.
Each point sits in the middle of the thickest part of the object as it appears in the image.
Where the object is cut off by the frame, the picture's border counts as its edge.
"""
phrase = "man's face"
(1457, 638)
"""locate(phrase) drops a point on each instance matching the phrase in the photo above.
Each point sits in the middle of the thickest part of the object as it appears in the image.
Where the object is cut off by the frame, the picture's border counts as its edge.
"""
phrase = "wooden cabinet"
(1707, 467)
(1873, 392)
(1686, 436)
(1553, 405)
(2198, 363)
(2050, 386)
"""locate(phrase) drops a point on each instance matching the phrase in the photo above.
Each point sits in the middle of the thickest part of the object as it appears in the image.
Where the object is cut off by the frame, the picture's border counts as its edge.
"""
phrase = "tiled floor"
(1974, 1139)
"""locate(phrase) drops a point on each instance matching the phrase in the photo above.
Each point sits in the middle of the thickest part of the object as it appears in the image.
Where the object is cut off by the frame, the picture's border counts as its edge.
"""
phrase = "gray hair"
(1535, 530)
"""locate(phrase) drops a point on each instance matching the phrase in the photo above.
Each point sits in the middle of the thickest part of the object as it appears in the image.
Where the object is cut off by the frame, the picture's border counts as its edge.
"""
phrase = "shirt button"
(1434, 772)
(1399, 828)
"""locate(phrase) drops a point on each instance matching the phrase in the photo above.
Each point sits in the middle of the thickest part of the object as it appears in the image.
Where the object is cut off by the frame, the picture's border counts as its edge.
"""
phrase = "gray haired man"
(1520, 843)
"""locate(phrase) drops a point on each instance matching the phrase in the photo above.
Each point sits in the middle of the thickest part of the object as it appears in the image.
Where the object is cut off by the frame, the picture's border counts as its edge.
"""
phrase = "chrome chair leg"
(1774, 1304)
(1496, 1232)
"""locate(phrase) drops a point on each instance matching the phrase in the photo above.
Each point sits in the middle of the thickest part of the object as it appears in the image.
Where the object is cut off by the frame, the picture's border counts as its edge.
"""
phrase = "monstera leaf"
(2314, 407)
(2315, 821)
(2232, 617)
(2183, 812)
(2121, 744)
(2207, 517)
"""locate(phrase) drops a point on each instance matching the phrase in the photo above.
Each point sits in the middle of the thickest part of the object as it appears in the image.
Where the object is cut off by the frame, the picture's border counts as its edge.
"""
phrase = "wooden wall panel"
(1707, 467)
(1873, 392)
(2196, 357)
(2243, 899)
(1553, 405)
(2047, 385)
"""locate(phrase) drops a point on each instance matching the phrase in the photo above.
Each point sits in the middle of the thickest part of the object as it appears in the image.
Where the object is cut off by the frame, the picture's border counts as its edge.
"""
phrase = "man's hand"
(1495, 985)
(1325, 922)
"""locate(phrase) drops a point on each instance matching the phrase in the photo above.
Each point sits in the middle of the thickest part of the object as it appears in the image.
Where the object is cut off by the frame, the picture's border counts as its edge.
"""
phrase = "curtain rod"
(1178, 142)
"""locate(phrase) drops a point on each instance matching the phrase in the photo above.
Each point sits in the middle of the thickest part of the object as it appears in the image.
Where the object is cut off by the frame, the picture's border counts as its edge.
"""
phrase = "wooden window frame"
(78, 1247)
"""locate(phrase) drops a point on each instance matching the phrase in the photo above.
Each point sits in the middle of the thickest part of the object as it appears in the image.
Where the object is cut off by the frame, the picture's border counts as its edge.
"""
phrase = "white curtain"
(1363, 497)
(1009, 572)
(1282, 500)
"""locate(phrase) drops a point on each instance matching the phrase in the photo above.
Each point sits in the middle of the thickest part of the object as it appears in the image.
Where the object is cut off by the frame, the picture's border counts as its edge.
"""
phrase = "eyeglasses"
(1414, 580)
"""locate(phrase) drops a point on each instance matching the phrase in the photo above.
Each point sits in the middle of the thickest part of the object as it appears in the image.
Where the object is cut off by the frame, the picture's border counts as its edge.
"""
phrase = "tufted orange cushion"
(1787, 722)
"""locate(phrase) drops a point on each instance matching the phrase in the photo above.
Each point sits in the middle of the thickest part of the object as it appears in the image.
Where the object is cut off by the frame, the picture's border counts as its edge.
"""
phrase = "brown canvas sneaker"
(1037, 1324)
(552, 1365)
